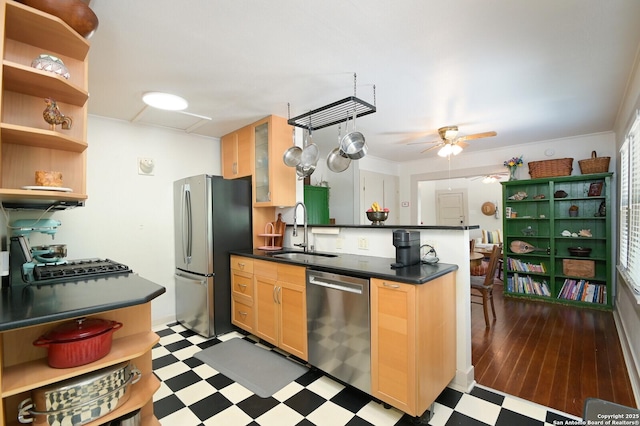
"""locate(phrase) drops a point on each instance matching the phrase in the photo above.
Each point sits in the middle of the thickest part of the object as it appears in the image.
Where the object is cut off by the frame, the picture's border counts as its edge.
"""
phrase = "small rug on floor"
(260, 370)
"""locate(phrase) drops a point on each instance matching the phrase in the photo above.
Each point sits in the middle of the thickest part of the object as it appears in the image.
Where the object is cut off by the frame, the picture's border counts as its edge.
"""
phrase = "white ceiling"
(530, 70)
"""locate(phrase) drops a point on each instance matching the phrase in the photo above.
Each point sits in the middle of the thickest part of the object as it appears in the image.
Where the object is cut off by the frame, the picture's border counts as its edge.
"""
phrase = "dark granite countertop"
(362, 266)
(369, 226)
(27, 305)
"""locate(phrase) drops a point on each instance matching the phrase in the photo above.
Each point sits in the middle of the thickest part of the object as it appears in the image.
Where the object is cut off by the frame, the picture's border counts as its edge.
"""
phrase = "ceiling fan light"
(456, 149)
(450, 134)
(445, 151)
(165, 101)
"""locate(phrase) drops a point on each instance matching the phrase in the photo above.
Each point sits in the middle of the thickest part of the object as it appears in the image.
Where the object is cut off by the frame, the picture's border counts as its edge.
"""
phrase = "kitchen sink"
(303, 257)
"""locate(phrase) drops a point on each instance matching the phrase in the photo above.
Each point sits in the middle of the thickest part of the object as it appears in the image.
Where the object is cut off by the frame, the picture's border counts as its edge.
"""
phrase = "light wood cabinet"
(237, 153)
(242, 293)
(292, 303)
(278, 306)
(274, 183)
(24, 367)
(27, 142)
(413, 341)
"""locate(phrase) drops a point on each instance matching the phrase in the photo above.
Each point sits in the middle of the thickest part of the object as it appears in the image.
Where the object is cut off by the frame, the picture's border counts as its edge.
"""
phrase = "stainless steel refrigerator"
(212, 217)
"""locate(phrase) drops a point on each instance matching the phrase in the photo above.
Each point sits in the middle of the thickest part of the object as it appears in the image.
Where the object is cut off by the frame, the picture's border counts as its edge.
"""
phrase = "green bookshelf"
(543, 268)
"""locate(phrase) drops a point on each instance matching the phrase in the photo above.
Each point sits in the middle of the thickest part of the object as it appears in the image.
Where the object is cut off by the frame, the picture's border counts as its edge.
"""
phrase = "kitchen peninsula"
(29, 311)
(412, 316)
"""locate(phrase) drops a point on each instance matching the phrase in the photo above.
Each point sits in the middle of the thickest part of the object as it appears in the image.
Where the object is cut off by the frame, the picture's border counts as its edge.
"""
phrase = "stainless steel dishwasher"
(339, 327)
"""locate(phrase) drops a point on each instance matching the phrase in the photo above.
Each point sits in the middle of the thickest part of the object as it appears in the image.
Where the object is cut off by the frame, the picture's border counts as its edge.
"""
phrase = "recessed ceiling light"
(165, 101)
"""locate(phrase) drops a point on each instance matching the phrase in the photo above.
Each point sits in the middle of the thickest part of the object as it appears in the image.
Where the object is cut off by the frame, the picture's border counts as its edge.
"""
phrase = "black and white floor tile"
(194, 394)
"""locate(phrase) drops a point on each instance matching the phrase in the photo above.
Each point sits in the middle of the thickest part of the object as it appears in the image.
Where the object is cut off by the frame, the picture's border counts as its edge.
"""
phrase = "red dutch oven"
(78, 342)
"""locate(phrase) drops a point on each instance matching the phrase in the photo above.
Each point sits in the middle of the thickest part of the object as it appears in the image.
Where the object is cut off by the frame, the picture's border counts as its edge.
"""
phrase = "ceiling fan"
(452, 144)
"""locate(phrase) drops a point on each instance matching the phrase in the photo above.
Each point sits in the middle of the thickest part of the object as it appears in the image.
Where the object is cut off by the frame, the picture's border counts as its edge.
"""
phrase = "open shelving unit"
(27, 143)
(541, 219)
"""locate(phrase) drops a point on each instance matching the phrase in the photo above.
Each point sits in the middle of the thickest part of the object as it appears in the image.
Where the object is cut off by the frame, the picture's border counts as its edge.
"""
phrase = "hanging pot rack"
(335, 112)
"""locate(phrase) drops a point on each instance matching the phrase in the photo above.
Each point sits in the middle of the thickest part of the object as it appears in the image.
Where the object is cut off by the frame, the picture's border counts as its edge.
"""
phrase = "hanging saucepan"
(337, 161)
(353, 144)
(310, 153)
(303, 171)
(292, 156)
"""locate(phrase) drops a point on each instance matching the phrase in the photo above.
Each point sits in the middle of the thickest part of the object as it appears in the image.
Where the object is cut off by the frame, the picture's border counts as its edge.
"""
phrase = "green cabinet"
(542, 220)
(316, 199)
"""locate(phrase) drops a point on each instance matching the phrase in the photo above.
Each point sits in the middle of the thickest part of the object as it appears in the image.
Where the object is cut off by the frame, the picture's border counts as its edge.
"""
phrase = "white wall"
(627, 302)
(129, 217)
(477, 194)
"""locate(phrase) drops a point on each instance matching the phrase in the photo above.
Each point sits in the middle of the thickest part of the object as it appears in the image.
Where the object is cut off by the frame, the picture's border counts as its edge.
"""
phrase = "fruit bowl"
(377, 218)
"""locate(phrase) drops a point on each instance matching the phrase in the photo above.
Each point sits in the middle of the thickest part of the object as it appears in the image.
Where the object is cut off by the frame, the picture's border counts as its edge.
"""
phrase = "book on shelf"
(527, 285)
(584, 291)
(518, 265)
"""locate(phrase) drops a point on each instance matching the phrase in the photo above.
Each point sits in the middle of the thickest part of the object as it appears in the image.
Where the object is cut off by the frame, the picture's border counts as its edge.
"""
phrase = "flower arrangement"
(513, 165)
(514, 162)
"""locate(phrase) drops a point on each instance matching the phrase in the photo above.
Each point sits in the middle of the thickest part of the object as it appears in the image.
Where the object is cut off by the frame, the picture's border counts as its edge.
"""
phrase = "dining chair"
(482, 286)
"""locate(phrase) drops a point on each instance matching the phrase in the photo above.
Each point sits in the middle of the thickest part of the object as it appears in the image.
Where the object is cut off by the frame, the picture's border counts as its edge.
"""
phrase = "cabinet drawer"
(243, 264)
(242, 314)
(292, 274)
(242, 284)
(266, 269)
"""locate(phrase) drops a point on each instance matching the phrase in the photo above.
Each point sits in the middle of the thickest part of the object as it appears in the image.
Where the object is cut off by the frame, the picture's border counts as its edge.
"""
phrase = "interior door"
(451, 207)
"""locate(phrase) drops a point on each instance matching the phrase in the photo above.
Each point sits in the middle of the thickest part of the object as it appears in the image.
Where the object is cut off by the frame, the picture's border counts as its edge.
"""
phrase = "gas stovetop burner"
(83, 268)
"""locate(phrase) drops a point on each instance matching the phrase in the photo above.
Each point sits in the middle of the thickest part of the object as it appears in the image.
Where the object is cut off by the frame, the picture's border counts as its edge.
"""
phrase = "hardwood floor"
(550, 354)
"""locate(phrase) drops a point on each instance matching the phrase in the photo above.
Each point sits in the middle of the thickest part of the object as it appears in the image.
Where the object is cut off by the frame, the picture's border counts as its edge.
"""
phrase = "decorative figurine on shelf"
(53, 116)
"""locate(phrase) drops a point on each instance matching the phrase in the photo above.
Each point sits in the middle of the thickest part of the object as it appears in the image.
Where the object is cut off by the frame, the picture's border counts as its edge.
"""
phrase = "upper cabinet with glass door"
(274, 182)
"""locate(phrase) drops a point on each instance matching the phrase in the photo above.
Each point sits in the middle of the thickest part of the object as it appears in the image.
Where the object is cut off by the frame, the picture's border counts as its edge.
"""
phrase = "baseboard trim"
(629, 359)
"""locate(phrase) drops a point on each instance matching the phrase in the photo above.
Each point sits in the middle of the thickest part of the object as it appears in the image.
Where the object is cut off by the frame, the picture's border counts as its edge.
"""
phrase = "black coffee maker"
(407, 245)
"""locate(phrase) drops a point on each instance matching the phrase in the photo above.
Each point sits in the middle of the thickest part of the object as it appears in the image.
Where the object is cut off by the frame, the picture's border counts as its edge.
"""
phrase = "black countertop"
(362, 266)
(369, 226)
(26, 305)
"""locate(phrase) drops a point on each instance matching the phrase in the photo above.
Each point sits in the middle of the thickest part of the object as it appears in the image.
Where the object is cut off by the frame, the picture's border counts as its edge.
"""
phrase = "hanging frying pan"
(310, 153)
(292, 156)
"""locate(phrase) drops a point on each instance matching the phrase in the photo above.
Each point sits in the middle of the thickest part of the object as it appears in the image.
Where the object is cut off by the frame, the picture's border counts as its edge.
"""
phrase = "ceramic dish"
(48, 188)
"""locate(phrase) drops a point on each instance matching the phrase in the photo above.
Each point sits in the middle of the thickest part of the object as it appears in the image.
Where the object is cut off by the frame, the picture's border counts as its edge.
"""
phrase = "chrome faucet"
(295, 225)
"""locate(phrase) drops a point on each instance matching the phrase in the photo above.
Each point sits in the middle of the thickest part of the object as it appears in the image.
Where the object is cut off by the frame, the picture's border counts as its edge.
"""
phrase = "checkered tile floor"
(194, 394)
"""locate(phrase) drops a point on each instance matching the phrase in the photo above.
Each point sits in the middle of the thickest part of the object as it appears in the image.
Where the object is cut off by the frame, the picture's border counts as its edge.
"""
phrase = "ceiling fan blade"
(423, 142)
(429, 149)
(461, 144)
(477, 136)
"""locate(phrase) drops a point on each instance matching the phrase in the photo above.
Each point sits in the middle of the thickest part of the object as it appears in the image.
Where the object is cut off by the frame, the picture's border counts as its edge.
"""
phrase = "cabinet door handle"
(241, 265)
(235, 168)
(384, 283)
(279, 293)
(275, 292)
(243, 314)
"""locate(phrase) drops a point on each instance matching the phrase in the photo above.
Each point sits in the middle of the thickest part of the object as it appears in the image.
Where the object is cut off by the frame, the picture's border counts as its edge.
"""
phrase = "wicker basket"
(550, 168)
(594, 164)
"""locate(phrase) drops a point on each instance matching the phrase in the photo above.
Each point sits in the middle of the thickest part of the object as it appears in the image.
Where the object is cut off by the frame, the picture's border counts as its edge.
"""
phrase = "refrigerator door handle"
(200, 281)
(187, 224)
